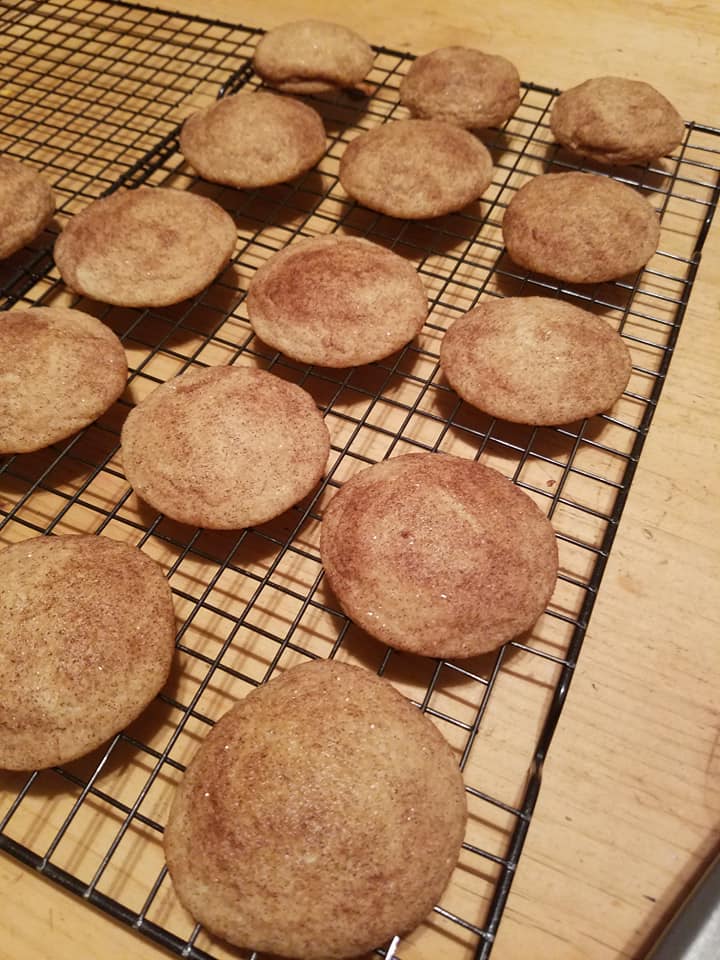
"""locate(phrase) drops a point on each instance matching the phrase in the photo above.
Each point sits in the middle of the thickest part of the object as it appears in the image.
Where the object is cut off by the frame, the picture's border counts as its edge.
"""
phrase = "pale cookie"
(322, 815)
(224, 447)
(312, 56)
(462, 86)
(416, 168)
(438, 555)
(614, 121)
(252, 140)
(535, 360)
(149, 247)
(87, 635)
(336, 301)
(60, 369)
(580, 227)
(27, 205)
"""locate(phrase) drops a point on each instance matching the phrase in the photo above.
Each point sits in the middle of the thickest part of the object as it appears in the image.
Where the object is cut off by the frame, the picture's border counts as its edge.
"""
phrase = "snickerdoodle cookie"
(614, 120)
(252, 139)
(224, 447)
(438, 555)
(580, 227)
(27, 205)
(535, 360)
(322, 815)
(416, 168)
(336, 301)
(312, 56)
(87, 634)
(463, 86)
(60, 369)
(148, 247)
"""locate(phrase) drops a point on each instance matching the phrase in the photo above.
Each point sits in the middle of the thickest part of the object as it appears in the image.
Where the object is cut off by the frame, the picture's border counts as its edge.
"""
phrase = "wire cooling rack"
(92, 95)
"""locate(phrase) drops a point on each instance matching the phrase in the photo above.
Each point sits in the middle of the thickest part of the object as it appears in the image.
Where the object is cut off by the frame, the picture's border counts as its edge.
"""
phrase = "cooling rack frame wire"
(100, 110)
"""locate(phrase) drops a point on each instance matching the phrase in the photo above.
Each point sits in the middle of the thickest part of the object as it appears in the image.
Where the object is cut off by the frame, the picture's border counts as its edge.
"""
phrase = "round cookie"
(149, 247)
(580, 227)
(462, 86)
(336, 301)
(253, 139)
(75, 613)
(322, 815)
(224, 447)
(416, 168)
(438, 555)
(613, 120)
(60, 369)
(27, 205)
(312, 56)
(535, 360)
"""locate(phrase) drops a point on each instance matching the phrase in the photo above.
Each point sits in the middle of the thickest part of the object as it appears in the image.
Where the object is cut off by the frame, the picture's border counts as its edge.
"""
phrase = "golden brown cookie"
(580, 227)
(253, 139)
(336, 301)
(322, 815)
(312, 56)
(87, 634)
(60, 369)
(614, 120)
(438, 555)
(416, 168)
(148, 247)
(224, 447)
(27, 205)
(462, 86)
(535, 360)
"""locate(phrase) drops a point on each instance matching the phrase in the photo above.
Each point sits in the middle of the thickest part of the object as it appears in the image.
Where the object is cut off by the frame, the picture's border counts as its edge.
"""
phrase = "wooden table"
(628, 812)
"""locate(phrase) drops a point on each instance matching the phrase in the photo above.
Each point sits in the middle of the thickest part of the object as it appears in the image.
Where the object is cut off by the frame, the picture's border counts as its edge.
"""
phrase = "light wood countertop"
(629, 810)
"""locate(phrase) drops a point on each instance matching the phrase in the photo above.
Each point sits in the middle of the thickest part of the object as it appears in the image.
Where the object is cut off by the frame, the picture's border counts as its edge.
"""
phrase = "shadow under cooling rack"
(93, 94)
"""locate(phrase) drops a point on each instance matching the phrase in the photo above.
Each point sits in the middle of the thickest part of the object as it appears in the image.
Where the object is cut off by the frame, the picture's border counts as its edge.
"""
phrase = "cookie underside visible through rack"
(93, 94)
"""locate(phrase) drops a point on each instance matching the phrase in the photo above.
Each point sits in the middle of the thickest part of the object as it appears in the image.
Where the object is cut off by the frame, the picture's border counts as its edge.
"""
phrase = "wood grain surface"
(629, 810)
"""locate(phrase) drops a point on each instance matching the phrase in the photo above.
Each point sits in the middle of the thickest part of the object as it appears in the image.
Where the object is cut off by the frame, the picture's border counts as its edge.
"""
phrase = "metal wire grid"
(101, 108)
